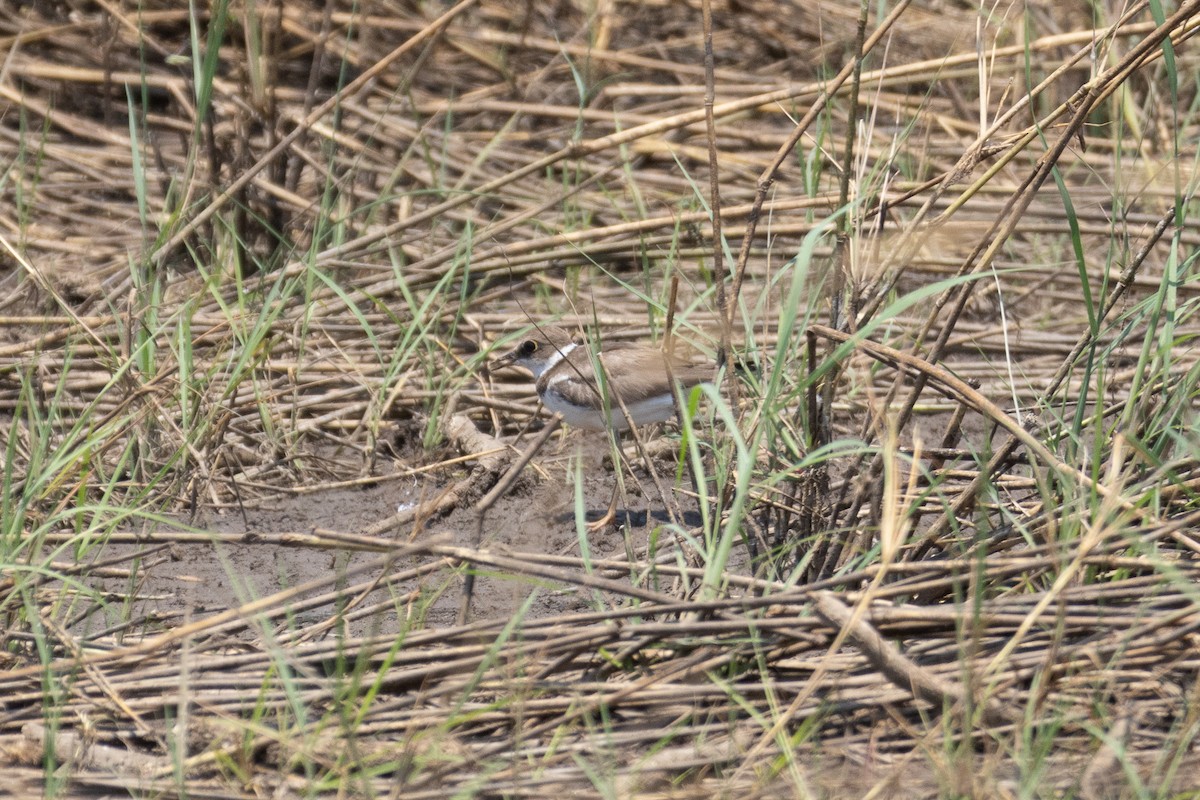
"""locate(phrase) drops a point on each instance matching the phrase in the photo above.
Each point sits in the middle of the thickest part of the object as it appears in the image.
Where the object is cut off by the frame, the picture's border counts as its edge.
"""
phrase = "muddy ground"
(536, 516)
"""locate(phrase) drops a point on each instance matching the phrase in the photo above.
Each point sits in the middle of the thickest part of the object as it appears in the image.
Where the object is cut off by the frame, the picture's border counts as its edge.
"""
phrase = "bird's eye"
(528, 347)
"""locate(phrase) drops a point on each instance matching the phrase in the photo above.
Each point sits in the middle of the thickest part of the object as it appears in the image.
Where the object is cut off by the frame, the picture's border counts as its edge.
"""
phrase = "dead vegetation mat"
(285, 279)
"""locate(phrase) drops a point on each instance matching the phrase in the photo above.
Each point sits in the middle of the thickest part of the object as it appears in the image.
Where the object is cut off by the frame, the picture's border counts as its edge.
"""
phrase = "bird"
(636, 376)
(635, 383)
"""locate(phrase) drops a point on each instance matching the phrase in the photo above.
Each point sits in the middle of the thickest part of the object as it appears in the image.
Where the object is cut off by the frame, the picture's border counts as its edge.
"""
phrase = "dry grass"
(278, 268)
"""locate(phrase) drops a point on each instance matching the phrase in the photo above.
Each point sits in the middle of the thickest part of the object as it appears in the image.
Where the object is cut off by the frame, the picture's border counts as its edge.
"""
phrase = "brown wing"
(644, 372)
